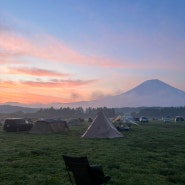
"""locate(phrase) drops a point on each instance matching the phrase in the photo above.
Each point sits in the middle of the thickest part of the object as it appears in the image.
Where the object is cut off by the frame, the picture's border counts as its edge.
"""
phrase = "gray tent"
(49, 126)
(101, 127)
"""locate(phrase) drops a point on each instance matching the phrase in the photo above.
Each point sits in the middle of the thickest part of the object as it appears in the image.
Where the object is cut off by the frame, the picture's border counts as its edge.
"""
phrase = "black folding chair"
(83, 173)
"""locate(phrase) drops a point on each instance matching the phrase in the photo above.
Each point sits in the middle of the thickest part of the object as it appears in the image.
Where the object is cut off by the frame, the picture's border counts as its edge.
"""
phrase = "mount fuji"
(151, 93)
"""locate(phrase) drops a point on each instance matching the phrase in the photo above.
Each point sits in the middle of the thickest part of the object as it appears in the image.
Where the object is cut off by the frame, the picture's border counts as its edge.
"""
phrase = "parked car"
(136, 119)
(166, 119)
(16, 125)
(179, 119)
(143, 119)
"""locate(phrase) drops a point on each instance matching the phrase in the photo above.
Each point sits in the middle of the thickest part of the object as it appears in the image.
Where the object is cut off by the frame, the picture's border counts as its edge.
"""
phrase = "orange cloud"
(7, 84)
(29, 98)
(44, 92)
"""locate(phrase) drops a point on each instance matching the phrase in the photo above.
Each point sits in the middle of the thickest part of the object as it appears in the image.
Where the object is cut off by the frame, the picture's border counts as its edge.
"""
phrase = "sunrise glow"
(83, 52)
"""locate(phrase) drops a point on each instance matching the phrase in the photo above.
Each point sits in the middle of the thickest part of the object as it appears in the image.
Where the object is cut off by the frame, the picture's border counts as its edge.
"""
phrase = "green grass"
(150, 154)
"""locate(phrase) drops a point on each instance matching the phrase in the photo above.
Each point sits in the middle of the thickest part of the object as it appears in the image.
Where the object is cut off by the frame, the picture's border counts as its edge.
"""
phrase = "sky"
(79, 50)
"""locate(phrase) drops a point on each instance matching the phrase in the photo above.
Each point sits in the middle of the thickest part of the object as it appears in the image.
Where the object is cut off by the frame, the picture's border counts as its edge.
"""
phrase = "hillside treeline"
(62, 113)
(68, 113)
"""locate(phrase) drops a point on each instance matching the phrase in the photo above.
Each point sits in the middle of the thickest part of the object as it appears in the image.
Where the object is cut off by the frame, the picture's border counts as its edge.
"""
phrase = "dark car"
(179, 119)
(17, 125)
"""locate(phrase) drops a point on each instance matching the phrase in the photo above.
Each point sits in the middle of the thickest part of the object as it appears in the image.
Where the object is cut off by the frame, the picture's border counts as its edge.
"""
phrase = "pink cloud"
(53, 83)
(58, 83)
(12, 47)
(8, 57)
(48, 48)
(61, 53)
(36, 72)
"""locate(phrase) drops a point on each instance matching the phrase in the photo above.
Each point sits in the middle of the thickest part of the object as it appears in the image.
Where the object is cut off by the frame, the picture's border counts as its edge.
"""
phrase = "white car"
(143, 119)
(166, 119)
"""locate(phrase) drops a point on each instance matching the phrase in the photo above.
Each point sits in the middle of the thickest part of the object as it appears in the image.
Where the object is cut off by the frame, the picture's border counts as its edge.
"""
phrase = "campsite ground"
(149, 154)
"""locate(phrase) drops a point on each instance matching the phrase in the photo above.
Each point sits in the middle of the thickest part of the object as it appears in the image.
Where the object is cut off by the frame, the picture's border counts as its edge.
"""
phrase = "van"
(16, 125)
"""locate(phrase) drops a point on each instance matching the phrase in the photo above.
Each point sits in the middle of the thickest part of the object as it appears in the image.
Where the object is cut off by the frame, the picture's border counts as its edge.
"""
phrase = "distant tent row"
(49, 126)
(101, 127)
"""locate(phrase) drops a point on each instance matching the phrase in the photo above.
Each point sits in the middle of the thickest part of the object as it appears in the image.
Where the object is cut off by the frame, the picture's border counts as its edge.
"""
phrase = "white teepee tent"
(101, 127)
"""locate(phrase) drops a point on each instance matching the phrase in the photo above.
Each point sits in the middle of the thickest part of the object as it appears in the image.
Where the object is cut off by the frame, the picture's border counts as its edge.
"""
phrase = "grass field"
(150, 154)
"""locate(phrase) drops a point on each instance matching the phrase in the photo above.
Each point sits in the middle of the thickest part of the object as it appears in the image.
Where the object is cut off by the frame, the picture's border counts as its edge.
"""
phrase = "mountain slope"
(149, 93)
(151, 87)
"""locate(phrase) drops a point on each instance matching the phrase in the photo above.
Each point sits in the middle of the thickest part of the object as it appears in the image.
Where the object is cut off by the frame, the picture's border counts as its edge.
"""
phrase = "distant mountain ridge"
(11, 109)
(150, 93)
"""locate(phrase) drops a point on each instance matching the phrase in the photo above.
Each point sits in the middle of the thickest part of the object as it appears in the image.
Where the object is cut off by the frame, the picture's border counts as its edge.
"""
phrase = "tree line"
(62, 113)
(79, 112)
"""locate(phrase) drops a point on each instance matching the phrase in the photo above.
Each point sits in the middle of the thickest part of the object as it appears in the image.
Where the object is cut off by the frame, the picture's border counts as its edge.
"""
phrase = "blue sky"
(73, 50)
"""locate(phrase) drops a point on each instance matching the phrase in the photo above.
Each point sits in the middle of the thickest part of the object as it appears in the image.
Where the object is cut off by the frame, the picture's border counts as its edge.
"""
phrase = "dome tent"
(49, 126)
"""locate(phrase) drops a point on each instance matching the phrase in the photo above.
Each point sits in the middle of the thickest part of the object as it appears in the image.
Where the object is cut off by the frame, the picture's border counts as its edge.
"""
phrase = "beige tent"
(49, 126)
(101, 127)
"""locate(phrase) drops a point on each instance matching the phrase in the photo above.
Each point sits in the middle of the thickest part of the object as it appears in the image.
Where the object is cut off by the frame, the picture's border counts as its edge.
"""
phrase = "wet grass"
(150, 154)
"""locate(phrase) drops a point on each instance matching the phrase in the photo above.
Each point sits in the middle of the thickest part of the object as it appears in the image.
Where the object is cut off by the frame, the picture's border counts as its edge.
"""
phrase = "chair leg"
(70, 178)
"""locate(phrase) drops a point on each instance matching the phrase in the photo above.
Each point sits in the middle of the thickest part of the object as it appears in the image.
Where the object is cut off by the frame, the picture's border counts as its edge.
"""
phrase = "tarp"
(101, 127)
